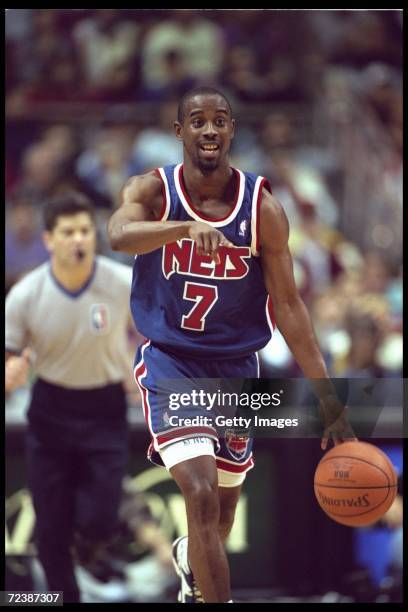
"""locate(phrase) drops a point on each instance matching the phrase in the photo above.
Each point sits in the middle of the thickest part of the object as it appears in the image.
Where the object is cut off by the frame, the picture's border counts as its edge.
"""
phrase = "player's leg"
(155, 372)
(198, 482)
(49, 479)
(229, 497)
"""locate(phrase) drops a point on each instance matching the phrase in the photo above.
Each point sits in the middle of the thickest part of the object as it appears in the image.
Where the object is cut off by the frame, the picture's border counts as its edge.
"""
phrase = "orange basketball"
(355, 483)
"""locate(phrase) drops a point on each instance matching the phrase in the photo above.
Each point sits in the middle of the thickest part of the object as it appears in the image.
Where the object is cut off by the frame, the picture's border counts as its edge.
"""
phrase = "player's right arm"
(135, 228)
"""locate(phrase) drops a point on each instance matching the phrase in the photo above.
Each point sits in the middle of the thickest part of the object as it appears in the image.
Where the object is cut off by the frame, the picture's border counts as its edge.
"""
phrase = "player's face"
(207, 131)
(73, 239)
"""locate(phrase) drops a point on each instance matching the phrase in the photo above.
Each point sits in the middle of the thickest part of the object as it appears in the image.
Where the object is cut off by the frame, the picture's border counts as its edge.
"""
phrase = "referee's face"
(72, 241)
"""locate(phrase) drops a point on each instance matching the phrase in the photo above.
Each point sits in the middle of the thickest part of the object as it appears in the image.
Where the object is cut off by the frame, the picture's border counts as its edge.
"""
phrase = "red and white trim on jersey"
(139, 373)
(232, 466)
(270, 316)
(195, 214)
(175, 434)
(164, 213)
(260, 183)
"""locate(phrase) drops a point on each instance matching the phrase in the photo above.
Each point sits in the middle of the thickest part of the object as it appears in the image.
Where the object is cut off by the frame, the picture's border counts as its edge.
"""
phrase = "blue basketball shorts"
(159, 374)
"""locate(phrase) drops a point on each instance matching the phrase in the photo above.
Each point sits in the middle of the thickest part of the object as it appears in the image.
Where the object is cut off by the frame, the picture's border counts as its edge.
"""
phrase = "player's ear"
(47, 240)
(178, 129)
(232, 128)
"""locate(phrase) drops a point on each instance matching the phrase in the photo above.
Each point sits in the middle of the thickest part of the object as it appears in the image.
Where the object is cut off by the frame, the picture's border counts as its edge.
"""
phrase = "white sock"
(183, 558)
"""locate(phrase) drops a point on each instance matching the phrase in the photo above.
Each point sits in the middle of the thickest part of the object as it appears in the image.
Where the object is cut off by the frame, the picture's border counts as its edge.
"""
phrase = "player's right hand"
(208, 239)
(17, 370)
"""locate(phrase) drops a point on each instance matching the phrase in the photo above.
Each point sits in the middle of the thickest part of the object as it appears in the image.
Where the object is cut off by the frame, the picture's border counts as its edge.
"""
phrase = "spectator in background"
(47, 163)
(367, 37)
(358, 319)
(241, 77)
(62, 141)
(274, 65)
(177, 78)
(40, 171)
(299, 171)
(155, 146)
(243, 29)
(48, 169)
(107, 46)
(380, 93)
(367, 323)
(25, 249)
(248, 81)
(379, 277)
(197, 42)
(355, 38)
(312, 211)
(365, 337)
(377, 273)
(380, 87)
(102, 168)
(282, 78)
(107, 162)
(46, 63)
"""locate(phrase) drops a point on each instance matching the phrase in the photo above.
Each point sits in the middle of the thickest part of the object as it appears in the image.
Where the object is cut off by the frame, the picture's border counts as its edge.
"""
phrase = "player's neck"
(72, 278)
(206, 185)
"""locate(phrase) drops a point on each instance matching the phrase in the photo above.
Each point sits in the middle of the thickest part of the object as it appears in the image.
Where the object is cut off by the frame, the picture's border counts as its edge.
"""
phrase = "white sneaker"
(189, 591)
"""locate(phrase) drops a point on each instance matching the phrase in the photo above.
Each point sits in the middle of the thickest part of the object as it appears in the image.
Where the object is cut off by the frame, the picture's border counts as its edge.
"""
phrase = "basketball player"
(70, 317)
(212, 258)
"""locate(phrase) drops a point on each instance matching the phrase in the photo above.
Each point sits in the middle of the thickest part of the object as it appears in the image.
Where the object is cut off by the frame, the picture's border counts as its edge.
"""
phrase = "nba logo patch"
(99, 319)
(242, 228)
(236, 443)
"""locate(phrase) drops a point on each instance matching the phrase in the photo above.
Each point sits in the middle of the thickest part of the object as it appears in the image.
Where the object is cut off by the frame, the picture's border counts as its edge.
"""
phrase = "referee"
(69, 318)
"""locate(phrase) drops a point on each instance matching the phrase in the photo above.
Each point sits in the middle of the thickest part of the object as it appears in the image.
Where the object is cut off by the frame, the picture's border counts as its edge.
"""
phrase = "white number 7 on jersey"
(205, 297)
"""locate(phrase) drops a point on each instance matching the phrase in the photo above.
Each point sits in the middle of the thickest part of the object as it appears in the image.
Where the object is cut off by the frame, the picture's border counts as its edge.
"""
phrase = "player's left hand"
(336, 425)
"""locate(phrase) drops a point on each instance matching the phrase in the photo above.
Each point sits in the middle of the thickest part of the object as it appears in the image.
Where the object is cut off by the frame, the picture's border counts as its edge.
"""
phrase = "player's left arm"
(291, 316)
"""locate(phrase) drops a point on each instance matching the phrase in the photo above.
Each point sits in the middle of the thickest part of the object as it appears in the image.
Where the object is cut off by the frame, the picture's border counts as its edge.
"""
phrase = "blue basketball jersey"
(189, 305)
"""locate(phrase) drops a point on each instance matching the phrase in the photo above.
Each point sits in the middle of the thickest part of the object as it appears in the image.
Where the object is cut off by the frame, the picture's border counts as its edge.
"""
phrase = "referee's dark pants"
(76, 450)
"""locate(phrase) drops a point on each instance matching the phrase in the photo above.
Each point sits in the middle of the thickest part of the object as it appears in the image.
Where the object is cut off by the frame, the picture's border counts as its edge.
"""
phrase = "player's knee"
(202, 503)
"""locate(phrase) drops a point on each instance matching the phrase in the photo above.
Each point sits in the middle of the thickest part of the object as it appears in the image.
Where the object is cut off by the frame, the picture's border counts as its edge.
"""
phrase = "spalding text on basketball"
(360, 502)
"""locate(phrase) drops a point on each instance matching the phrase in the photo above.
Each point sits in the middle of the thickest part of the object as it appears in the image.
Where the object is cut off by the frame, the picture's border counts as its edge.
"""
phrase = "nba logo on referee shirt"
(99, 319)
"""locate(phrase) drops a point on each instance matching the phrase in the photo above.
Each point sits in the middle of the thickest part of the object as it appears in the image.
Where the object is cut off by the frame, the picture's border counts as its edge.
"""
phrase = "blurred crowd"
(318, 101)
(139, 54)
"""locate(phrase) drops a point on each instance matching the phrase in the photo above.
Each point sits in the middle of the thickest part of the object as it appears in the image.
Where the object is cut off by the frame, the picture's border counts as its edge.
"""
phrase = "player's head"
(206, 127)
(70, 233)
